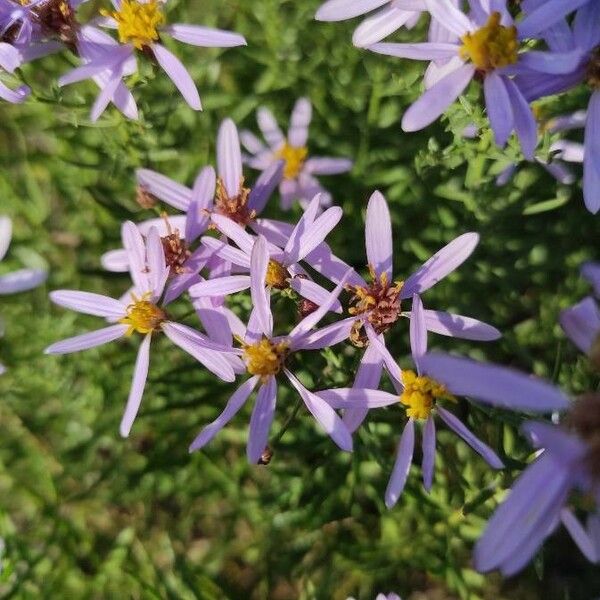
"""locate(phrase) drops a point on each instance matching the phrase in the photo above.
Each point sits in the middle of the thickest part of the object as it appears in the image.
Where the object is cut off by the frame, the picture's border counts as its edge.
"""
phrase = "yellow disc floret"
(138, 22)
(420, 394)
(492, 46)
(277, 275)
(294, 158)
(142, 316)
(265, 358)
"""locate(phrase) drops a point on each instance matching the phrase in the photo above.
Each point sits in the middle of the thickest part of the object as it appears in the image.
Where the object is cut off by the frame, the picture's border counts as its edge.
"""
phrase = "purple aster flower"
(145, 314)
(17, 281)
(536, 504)
(582, 41)
(298, 181)
(140, 24)
(486, 46)
(265, 357)
(282, 270)
(439, 378)
(377, 305)
(390, 16)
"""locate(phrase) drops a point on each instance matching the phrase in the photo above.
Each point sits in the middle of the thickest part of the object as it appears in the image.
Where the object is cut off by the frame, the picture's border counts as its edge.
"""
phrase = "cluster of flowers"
(30, 29)
(176, 255)
(517, 60)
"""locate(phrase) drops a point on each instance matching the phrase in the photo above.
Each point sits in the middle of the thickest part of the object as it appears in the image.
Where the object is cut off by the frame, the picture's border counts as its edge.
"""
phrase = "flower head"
(486, 43)
(144, 315)
(265, 357)
(140, 25)
(138, 22)
(298, 181)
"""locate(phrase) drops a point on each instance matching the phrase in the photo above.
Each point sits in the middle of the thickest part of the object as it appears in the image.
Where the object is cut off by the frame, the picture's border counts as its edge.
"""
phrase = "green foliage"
(85, 514)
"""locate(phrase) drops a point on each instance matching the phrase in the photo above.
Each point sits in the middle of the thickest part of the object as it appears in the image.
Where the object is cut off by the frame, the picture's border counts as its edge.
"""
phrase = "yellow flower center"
(277, 275)
(294, 160)
(492, 46)
(265, 358)
(138, 22)
(142, 316)
(420, 394)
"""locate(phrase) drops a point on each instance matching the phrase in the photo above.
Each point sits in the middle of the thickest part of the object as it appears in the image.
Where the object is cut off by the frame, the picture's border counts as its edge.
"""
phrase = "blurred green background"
(86, 514)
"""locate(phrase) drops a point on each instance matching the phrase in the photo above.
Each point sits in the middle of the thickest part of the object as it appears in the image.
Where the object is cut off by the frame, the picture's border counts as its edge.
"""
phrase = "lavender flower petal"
(269, 128)
(368, 376)
(428, 442)
(89, 304)
(459, 428)
(261, 419)
(380, 25)
(547, 15)
(140, 374)
(192, 343)
(299, 123)
(581, 323)
(534, 495)
(259, 262)
(222, 286)
(314, 292)
(340, 10)
(498, 386)
(324, 414)
(265, 185)
(87, 340)
(591, 272)
(206, 37)
(591, 161)
(378, 235)
(202, 198)
(499, 107)
(441, 264)
(459, 326)
(178, 74)
(234, 404)
(355, 397)
(418, 330)
(437, 98)
(21, 281)
(325, 165)
(579, 534)
(174, 194)
(401, 468)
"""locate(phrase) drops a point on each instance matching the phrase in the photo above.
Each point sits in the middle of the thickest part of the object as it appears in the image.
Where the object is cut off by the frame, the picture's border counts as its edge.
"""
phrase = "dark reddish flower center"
(176, 251)
(378, 303)
(236, 207)
(57, 17)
